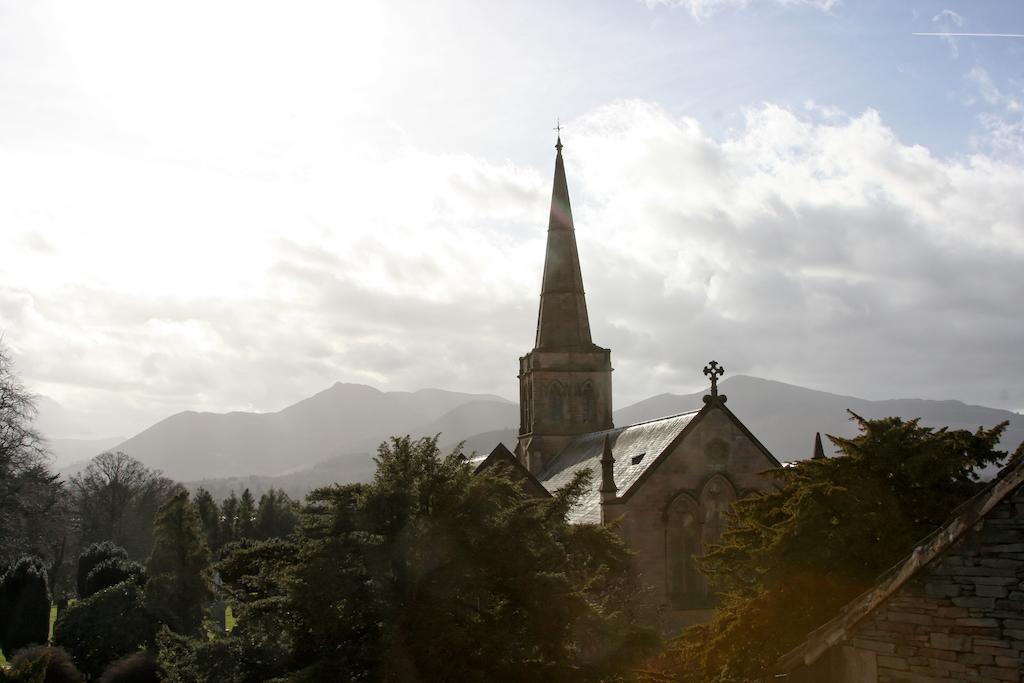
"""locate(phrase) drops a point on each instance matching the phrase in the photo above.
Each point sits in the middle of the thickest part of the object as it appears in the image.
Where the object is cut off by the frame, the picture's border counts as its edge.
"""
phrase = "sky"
(233, 205)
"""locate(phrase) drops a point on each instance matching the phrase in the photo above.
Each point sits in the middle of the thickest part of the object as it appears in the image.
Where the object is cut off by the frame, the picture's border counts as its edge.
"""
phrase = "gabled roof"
(924, 554)
(502, 455)
(637, 450)
(643, 443)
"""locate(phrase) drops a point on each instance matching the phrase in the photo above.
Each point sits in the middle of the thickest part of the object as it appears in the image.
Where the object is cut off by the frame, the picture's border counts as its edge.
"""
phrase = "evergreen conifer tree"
(209, 513)
(178, 587)
(229, 519)
(246, 515)
(24, 605)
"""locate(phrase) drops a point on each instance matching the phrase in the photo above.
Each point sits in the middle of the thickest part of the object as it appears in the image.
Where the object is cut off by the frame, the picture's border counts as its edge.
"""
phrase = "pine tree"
(229, 519)
(178, 587)
(209, 513)
(24, 605)
(277, 515)
(246, 515)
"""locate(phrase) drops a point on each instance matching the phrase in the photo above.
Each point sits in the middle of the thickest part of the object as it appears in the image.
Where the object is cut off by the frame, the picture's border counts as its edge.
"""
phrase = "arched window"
(589, 404)
(716, 498)
(556, 402)
(686, 586)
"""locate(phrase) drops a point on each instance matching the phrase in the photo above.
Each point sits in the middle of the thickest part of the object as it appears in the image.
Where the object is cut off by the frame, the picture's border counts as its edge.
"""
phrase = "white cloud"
(949, 21)
(1003, 122)
(802, 249)
(810, 246)
(702, 9)
(948, 16)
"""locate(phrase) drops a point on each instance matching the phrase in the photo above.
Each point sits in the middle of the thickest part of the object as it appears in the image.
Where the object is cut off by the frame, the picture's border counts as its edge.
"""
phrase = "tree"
(209, 515)
(58, 668)
(24, 605)
(112, 572)
(117, 498)
(96, 554)
(229, 519)
(246, 515)
(28, 490)
(105, 626)
(429, 573)
(276, 517)
(178, 587)
(789, 560)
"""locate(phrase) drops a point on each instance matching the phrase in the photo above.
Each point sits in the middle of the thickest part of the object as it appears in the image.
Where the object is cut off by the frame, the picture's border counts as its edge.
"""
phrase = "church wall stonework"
(716, 460)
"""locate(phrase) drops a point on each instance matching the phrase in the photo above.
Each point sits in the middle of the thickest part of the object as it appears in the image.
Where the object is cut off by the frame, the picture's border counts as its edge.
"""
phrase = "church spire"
(819, 452)
(562, 320)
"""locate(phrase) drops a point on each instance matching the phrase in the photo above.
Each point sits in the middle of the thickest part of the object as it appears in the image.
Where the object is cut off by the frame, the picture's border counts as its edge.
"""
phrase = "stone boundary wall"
(961, 619)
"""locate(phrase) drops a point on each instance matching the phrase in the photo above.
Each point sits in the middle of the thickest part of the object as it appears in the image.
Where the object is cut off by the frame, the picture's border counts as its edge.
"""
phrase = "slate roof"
(501, 454)
(925, 553)
(647, 439)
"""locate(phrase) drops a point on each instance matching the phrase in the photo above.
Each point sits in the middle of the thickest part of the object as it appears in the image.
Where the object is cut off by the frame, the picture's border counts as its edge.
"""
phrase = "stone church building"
(665, 483)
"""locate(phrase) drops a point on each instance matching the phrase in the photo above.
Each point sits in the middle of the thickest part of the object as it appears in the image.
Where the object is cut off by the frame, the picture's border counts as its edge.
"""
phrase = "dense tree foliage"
(246, 519)
(228, 520)
(138, 667)
(209, 516)
(117, 498)
(93, 555)
(104, 627)
(277, 516)
(789, 560)
(29, 491)
(113, 571)
(427, 573)
(24, 605)
(58, 667)
(178, 587)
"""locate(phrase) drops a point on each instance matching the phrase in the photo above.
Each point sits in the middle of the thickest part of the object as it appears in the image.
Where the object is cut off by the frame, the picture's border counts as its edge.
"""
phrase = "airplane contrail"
(973, 35)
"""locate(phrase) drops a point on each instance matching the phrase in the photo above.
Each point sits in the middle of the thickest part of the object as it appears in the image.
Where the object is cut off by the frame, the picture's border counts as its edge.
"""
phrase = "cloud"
(948, 21)
(804, 249)
(702, 9)
(808, 245)
(1003, 122)
(948, 16)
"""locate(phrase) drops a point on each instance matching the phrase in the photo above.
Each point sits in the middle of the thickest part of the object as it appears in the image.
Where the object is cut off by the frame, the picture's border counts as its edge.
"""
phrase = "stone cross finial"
(713, 371)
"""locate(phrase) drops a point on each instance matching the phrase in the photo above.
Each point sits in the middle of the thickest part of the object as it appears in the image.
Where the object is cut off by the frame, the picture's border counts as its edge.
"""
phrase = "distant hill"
(333, 435)
(345, 419)
(785, 416)
(67, 452)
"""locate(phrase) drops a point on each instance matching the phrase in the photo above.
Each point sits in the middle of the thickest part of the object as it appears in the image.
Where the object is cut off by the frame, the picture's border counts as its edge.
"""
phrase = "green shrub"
(92, 556)
(59, 667)
(139, 667)
(24, 605)
(107, 625)
(113, 571)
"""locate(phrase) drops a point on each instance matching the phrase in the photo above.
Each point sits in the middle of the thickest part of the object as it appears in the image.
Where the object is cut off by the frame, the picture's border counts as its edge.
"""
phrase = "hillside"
(785, 416)
(344, 419)
(332, 435)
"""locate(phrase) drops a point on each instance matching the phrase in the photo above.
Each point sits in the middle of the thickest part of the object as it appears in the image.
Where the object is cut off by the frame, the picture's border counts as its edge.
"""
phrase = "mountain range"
(332, 435)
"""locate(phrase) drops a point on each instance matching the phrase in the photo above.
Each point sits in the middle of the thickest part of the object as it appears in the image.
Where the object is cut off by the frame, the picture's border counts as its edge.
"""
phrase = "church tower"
(565, 383)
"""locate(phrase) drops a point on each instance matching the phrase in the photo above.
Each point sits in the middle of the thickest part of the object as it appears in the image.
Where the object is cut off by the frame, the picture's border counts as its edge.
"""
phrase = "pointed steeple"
(819, 452)
(562, 321)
